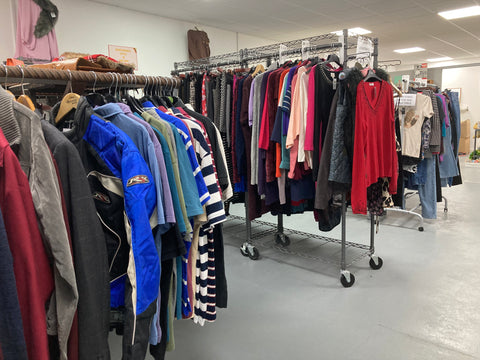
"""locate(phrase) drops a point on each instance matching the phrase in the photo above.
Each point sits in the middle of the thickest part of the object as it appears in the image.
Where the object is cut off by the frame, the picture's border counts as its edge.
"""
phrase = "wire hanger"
(24, 99)
(6, 80)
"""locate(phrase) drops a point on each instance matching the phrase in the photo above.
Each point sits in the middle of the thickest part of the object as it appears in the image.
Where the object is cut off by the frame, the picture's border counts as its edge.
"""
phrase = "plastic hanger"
(69, 102)
(24, 99)
(371, 76)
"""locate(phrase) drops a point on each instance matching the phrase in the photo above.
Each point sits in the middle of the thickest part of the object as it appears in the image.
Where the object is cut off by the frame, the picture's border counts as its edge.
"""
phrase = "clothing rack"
(407, 195)
(322, 43)
(56, 81)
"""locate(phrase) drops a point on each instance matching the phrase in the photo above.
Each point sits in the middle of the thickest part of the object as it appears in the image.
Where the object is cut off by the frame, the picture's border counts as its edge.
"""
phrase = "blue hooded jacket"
(124, 160)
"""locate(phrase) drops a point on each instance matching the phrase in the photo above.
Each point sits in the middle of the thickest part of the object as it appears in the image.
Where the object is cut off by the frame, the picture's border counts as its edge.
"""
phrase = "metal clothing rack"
(322, 43)
(315, 44)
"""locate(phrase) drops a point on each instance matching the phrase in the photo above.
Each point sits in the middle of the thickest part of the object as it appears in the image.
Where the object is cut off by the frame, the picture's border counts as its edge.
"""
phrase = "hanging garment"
(143, 272)
(89, 250)
(139, 135)
(413, 122)
(33, 276)
(447, 164)
(12, 340)
(35, 159)
(27, 44)
(375, 149)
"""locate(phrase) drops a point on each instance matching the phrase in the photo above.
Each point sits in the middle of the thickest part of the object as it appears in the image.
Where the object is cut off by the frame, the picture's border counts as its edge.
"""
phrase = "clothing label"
(281, 50)
(405, 83)
(364, 51)
(138, 179)
(305, 49)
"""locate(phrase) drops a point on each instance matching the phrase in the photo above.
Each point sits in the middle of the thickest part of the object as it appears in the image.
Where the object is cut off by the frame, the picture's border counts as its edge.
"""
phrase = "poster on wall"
(124, 54)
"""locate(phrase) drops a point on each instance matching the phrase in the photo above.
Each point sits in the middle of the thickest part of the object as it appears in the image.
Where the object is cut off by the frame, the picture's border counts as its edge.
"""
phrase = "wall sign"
(124, 54)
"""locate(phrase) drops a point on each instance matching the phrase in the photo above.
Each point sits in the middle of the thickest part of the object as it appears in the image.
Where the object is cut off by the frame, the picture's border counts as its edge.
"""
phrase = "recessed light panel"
(409, 50)
(460, 13)
(353, 31)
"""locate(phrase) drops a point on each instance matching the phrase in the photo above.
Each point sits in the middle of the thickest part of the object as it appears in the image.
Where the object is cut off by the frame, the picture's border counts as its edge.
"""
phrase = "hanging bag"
(198, 44)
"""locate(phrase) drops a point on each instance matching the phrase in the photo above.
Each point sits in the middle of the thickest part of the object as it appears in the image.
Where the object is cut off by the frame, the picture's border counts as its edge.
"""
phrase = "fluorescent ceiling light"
(353, 31)
(460, 13)
(445, 58)
(409, 50)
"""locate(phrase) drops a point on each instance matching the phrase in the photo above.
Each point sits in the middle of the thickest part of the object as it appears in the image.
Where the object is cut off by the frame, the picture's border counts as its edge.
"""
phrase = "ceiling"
(397, 23)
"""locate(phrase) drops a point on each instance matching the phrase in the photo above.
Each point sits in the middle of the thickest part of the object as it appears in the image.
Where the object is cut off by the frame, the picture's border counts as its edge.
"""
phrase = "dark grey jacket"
(89, 249)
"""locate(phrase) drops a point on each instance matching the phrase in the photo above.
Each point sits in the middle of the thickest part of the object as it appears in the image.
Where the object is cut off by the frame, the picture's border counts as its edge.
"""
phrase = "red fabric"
(204, 96)
(310, 111)
(374, 153)
(33, 274)
(268, 121)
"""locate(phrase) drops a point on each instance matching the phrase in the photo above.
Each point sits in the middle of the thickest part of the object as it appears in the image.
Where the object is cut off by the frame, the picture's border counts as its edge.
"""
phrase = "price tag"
(407, 100)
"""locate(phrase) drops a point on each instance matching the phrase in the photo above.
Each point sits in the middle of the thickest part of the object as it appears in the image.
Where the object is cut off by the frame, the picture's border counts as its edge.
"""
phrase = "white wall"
(468, 80)
(7, 29)
(89, 27)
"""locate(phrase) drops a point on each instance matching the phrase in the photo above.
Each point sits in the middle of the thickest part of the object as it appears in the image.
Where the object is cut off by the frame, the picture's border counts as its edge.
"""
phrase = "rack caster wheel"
(445, 210)
(254, 255)
(376, 262)
(420, 228)
(282, 239)
(250, 251)
(347, 279)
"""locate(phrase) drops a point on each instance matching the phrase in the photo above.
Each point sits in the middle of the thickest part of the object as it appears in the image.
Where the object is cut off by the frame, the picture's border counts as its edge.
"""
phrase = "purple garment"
(27, 45)
(167, 196)
(250, 103)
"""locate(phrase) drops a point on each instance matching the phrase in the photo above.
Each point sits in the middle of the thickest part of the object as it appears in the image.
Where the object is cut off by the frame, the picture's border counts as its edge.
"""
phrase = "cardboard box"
(465, 129)
(464, 146)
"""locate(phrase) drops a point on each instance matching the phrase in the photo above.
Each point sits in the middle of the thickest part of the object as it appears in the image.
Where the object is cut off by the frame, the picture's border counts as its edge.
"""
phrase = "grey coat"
(37, 163)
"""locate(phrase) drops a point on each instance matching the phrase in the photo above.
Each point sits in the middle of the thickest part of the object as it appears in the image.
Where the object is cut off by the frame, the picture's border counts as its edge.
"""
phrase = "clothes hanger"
(69, 102)
(94, 98)
(371, 76)
(148, 91)
(6, 78)
(167, 103)
(25, 99)
(130, 100)
(394, 87)
(258, 70)
(109, 97)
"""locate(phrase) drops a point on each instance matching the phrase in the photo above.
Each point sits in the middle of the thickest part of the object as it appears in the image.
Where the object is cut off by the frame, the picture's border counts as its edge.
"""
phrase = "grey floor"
(423, 304)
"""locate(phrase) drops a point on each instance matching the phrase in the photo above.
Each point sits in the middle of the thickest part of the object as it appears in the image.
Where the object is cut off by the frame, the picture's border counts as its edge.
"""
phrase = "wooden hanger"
(69, 102)
(25, 99)
(258, 69)
(395, 88)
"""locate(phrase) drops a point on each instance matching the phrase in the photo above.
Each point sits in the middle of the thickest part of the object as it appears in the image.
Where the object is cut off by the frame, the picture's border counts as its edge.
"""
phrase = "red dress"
(374, 153)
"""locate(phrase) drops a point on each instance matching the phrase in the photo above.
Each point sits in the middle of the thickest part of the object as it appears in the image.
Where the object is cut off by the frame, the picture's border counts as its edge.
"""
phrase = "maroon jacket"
(33, 275)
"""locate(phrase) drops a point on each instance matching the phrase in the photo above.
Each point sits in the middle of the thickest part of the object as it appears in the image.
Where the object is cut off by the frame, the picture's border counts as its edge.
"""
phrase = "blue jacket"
(124, 160)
